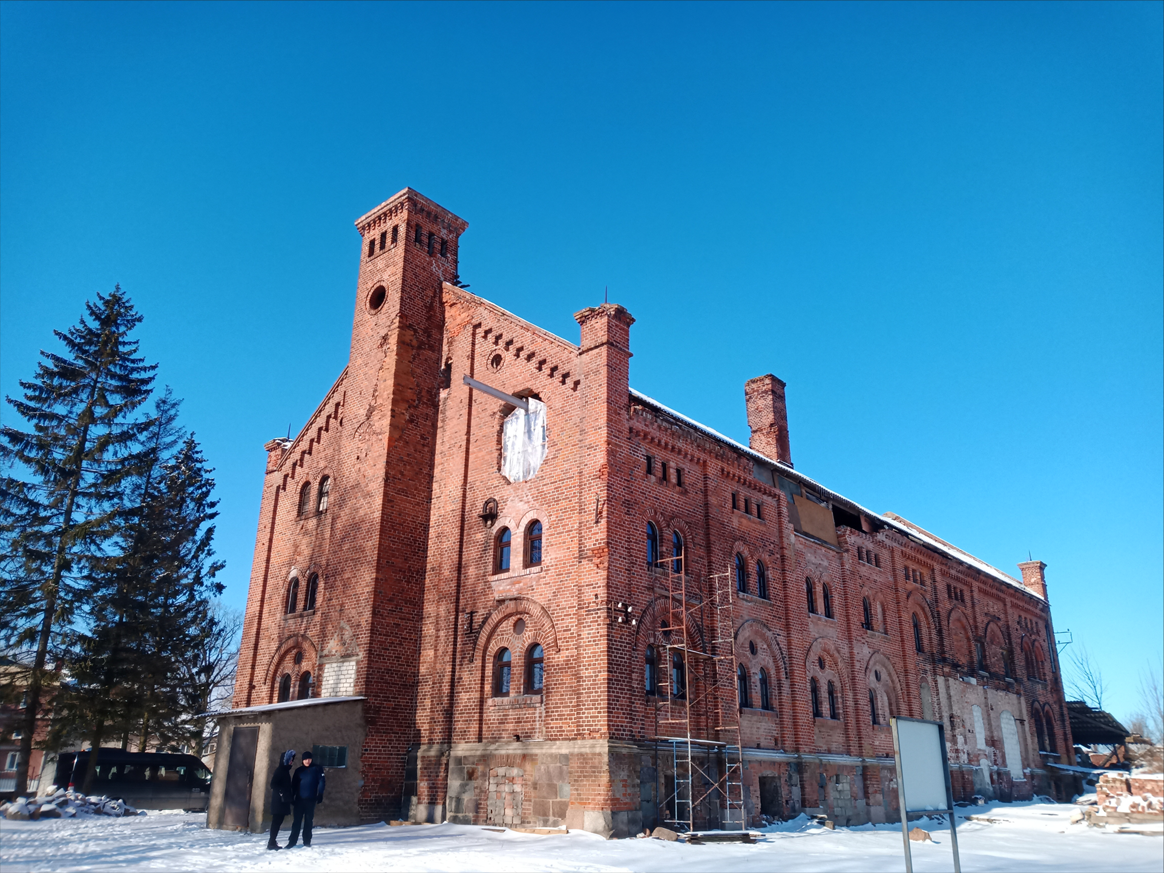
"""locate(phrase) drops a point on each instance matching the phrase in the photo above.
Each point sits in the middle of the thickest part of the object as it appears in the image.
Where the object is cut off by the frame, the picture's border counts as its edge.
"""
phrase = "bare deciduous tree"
(1150, 718)
(1087, 682)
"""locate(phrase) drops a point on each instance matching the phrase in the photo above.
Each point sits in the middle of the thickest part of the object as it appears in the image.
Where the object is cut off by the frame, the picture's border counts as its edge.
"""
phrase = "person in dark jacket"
(280, 797)
(306, 790)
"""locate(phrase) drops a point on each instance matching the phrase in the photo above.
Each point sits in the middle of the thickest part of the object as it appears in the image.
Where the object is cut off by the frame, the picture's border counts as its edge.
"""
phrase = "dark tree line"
(107, 569)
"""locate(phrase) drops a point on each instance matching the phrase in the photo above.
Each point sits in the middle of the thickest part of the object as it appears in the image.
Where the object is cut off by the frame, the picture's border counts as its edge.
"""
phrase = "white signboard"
(923, 777)
(922, 765)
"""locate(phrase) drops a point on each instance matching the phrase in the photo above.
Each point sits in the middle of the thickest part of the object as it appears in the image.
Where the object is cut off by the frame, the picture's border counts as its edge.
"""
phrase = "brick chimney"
(1034, 578)
(768, 417)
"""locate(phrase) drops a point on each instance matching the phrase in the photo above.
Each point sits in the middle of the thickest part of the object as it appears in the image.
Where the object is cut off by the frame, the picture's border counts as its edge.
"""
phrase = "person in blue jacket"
(306, 791)
(280, 797)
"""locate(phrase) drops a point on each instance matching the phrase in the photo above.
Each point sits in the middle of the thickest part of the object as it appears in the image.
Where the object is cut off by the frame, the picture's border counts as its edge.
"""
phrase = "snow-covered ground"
(1024, 837)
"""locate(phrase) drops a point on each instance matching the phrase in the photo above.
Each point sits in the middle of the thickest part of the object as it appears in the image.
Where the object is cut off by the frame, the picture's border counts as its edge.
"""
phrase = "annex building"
(493, 583)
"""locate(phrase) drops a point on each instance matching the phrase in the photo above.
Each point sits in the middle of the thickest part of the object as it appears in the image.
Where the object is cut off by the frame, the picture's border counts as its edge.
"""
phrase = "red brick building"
(504, 606)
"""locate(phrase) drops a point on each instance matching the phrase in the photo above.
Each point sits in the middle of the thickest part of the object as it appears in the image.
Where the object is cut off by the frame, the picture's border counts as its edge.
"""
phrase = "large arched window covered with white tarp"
(523, 442)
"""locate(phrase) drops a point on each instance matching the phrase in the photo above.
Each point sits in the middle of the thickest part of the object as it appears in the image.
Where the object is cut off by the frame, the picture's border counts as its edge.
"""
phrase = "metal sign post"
(923, 776)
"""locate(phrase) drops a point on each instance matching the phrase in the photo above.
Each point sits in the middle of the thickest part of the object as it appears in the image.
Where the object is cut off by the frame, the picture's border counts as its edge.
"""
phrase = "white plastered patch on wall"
(523, 442)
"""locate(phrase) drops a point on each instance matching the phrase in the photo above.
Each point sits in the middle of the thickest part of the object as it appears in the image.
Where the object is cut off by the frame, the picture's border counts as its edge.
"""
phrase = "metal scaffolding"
(697, 708)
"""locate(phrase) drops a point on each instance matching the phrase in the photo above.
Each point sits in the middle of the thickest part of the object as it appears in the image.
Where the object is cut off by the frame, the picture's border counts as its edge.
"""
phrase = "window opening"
(419, 237)
(679, 476)
(866, 614)
(735, 500)
(305, 498)
(501, 551)
(533, 544)
(810, 595)
(330, 756)
(309, 595)
(502, 664)
(980, 656)
(872, 707)
(759, 510)
(765, 701)
(650, 671)
(677, 552)
(742, 686)
(741, 574)
(917, 637)
(431, 241)
(678, 676)
(761, 580)
(395, 233)
(324, 493)
(383, 240)
(652, 545)
(826, 595)
(663, 471)
(833, 701)
(304, 686)
(814, 693)
(444, 248)
(747, 506)
(535, 669)
(650, 466)
(293, 595)
(285, 688)
(371, 247)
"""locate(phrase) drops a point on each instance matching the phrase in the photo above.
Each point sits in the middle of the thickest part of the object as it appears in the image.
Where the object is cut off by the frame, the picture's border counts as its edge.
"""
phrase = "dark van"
(146, 780)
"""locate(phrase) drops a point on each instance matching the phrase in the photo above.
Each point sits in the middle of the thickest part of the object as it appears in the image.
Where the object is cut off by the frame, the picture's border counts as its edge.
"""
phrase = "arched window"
(650, 671)
(502, 665)
(979, 656)
(304, 686)
(678, 676)
(677, 552)
(866, 614)
(873, 708)
(741, 574)
(652, 546)
(1040, 735)
(1052, 745)
(810, 594)
(833, 701)
(285, 688)
(742, 686)
(761, 580)
(305, 498)
(827, 597)
(1028, 661)
(312, 590)
(535, 669)
(917, 637)
(324, 491)
(765, 699)
(501, 545)
(293, 595)
(533, 544)
(814, 693)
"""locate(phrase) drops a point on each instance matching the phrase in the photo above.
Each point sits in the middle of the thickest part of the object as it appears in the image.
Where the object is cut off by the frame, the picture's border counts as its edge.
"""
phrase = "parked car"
(147, 780)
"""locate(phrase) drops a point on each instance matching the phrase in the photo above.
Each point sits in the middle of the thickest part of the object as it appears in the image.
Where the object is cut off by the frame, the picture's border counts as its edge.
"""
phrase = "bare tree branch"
(1087, 682)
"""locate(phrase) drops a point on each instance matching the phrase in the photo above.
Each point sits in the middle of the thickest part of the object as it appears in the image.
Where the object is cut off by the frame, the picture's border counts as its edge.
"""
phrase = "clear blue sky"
(941, 224)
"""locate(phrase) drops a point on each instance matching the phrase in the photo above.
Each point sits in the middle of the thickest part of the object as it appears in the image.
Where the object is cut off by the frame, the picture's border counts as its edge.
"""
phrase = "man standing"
(306, 790)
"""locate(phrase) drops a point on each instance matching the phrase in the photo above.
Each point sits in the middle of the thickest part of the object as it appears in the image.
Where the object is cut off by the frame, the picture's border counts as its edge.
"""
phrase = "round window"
(376, 298)
(752, 646)
(519, 626)
(298, 657)
(496, 361)
(877, 675)
(820, 662)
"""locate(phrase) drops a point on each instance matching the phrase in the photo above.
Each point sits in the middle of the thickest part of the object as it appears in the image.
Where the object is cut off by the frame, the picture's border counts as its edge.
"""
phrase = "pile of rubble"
(1122, 799)
(64, 804)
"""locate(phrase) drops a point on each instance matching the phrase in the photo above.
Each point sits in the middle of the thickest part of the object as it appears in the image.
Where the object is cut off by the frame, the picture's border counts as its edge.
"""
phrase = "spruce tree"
(63, 482)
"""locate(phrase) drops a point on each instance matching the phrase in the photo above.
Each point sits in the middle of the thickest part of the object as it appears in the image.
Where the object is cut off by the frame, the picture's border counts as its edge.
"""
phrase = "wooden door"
(240, 776)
